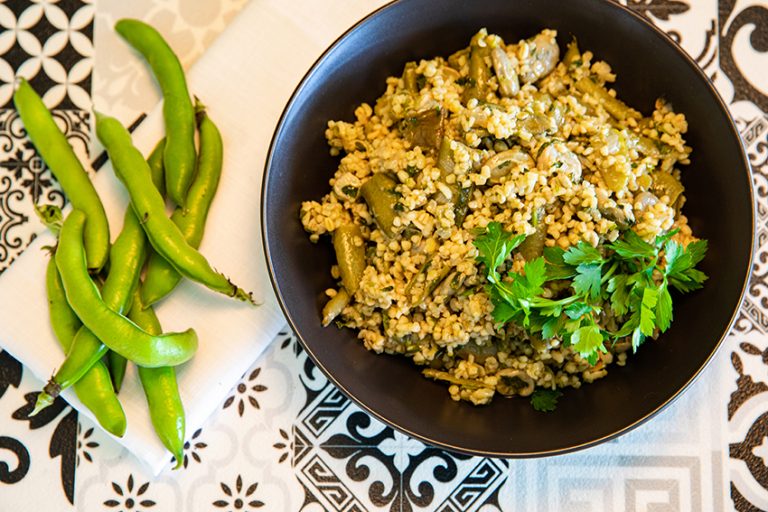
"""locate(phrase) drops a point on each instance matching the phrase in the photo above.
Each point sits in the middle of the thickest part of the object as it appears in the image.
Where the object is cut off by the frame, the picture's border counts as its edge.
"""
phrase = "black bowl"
(648, 65)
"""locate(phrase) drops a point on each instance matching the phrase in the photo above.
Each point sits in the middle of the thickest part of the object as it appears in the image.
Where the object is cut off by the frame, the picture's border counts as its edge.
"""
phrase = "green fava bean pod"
(165, 408)
(127, 256)
(349, 245)
(380, 196)
(94, 389)
(57, 153)
(161, 278)
(156, 167)
(117, 332)
(178, 112)
(163, 234)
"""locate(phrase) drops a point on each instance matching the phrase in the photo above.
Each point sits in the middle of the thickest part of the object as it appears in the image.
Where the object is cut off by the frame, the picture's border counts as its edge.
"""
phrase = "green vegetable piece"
(109, 326)
(166, 410)
(582, 253)
(557, 268)
(409, 78)
(178, 112)
(533, 245)
(127, 256)
(156, 167)
(165, 237)
(572, 53)
(380, 196)
(664, 184)
(350, 254)
(461, 197)
(613, 106)
(55, 150)
(631, 246)
(479, 73)
(588, 280)
(94, 389)
(615, 179)
(50, 215)
(424, 129)
(545, 400)
(494, 247)
(588, 341)
(161, 277)
(663, 309)
(648, 311)
(335, 306)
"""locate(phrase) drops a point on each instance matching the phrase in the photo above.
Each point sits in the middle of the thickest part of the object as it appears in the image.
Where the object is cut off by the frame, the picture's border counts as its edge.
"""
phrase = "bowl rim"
(492, 453)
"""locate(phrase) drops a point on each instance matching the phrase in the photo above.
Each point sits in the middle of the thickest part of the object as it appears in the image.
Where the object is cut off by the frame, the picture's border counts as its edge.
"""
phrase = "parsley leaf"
(617, 287)
(535, 275)
(577, 310)
(494, 247)
(631, 246)
(557, 268)
(552, 327)
(697, 250)
(648, 311)
(545, 400)
(587, 341)
(680, 262)
(631, 277)
(588, 280)
(582, 253)
(664, 308)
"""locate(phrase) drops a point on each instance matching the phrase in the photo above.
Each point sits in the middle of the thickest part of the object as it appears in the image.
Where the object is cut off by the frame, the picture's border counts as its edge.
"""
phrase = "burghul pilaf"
(510, 136)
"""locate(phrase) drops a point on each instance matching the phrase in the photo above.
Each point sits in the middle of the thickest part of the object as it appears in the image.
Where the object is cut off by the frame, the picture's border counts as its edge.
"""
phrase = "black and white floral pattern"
(285, 438)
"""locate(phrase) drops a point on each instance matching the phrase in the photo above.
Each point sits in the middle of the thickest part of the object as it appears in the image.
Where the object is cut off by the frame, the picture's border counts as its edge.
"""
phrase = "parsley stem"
(610, 272)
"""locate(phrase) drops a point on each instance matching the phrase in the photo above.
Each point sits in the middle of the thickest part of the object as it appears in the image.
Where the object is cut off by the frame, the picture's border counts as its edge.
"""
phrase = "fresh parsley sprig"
(632, 277)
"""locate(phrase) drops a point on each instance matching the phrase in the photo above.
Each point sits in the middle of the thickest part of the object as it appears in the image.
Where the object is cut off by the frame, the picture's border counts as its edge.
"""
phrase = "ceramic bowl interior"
(648, 65)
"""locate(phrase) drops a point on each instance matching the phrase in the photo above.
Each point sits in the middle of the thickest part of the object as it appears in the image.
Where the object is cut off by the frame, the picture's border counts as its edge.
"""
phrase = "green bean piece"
(380, 195)
(455, 58)
(64, 321)
(613, 106)
(156, 167)
(350, 254)
(409, 78)
(424, 129)
(118, 333)
(572, 53)
(447, 377)
(94, 389)
(533, 245)
(57, 153)
(422, 271)
(117, 366)
(166, 238)
(615, 178)
(461, 198)
(161, 278)
(131, 247)
(479, 73)
(178, 112)
(445, 158)
(335, 306)
(127, 256)
(664, 184)
(165, 408)
(432, 286)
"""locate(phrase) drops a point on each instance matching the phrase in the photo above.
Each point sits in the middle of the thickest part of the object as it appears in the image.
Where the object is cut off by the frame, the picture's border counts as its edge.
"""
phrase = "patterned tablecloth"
(285, 439)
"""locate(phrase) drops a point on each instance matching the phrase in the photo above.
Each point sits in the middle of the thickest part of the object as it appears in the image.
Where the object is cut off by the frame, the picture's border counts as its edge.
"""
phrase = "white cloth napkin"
(245, 79)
